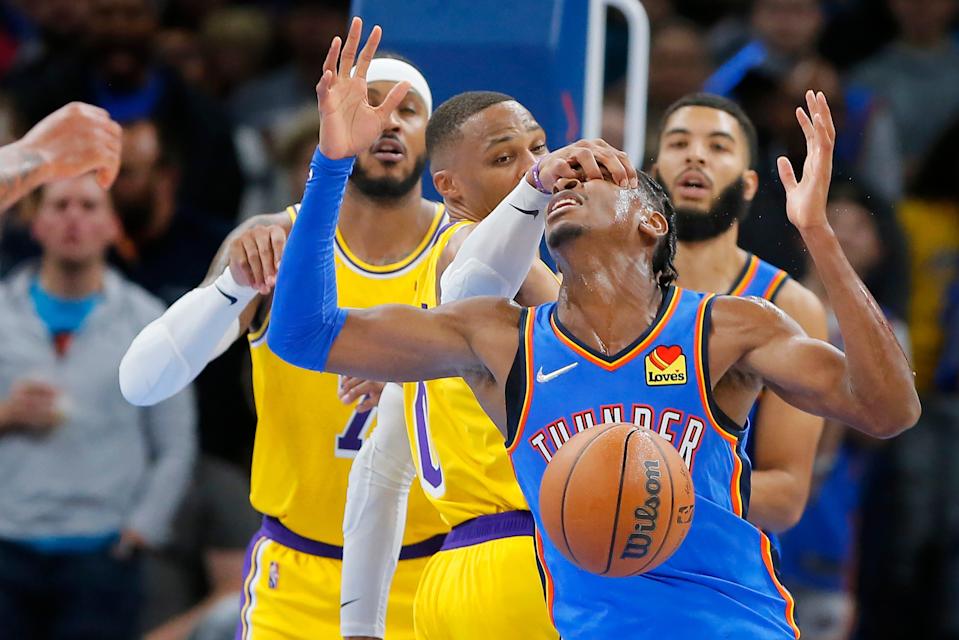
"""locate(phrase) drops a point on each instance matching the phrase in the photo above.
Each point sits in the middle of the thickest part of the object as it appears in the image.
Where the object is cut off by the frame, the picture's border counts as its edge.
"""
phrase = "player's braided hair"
(656, 199)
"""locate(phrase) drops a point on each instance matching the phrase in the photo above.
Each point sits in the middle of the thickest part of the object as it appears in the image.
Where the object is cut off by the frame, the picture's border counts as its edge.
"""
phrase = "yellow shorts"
(490, 590)
(289, 594)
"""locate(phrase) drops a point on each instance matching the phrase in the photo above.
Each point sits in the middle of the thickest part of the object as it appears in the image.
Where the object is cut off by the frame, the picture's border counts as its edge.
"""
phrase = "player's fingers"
(614, 165)
(393, 99)
(786, 173)
(368, 51)
(332, 55)
(264, 252)
(253, 261)
(827, 115)
(806, 124)
(278, 240)
(350, 46)
(587, 162)
(367, 403)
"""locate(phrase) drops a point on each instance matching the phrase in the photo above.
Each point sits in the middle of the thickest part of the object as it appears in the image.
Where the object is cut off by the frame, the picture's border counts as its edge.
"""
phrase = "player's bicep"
(402, 343)
(805, 372)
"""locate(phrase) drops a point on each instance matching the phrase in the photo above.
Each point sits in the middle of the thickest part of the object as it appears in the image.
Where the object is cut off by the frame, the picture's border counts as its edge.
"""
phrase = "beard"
(387, 188)
(565, 233)
(693, 225)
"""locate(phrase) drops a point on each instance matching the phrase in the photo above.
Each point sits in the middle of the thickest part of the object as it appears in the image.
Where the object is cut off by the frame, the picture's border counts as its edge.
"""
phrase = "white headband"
(393, 70)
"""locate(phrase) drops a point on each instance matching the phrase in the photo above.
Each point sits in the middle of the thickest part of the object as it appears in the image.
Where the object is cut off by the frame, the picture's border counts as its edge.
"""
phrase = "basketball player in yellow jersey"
(306, 437)
(706, 147)
(485, 583)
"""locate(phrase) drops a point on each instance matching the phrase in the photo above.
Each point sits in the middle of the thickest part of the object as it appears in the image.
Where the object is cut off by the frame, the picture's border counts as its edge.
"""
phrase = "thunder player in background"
(306, 437)
(481, 146)
(617, 311)
(705, 151)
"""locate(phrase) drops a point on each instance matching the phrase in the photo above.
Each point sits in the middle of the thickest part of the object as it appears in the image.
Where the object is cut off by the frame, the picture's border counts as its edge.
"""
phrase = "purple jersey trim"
(274, 529)
(490, 527)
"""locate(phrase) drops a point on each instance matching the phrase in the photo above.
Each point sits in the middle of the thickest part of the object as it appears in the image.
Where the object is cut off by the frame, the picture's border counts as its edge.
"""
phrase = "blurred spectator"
(918, 74)
(88, 480)
(819, 554)
(236, 41)
(166, 247)
(307, 28)
(182, 50)
(193, 583)
(930, 218)
(782, 32)
(296, 146)
(56, 28)
(119, 72)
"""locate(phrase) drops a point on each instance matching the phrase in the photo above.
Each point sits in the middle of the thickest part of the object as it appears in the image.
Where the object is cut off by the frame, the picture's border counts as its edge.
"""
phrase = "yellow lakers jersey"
(458, 451)
(306, 438)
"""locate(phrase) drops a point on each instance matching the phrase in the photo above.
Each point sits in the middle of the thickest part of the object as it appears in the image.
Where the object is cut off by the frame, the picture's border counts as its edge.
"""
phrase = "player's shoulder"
(803, 306)
(458, 233)
(748, 317)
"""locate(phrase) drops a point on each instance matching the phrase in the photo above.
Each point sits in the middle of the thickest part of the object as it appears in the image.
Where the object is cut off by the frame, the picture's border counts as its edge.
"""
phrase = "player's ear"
(653, 223)
(750, 185)
(445, 184)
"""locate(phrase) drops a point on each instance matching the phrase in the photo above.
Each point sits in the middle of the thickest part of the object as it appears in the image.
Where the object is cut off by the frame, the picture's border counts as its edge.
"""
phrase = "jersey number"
(431, 473)
(351, 439)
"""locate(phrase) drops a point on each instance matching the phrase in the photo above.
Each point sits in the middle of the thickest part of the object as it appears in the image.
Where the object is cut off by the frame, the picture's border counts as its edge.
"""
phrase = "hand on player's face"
(806, 199)
(587, 160)
(255, 256)
(348, 123)
(701, 152)
(395, 152)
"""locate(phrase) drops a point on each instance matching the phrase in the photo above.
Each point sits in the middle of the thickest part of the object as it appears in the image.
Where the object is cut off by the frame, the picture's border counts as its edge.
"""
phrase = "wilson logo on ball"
(666, 365)
(646, 515)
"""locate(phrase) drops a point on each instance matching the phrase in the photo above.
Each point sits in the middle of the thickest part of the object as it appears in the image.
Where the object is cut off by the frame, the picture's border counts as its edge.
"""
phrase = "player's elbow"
(889, 422)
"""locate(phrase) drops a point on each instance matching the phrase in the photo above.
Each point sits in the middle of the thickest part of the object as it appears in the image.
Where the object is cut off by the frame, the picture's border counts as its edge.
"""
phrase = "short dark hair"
(712, 101)
(445, 123)
(656, 199)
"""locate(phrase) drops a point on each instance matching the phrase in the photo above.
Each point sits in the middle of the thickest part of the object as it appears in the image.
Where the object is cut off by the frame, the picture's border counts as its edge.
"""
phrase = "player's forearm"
(496, 257)
(375, 518)
(21, 171)
(878, 375)
(776, 502)
(305, 318)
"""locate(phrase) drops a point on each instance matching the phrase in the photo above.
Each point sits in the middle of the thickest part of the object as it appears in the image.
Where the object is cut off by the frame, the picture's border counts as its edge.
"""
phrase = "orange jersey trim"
(528, 392)
(766, 548)
(632, 353)
(747, 277)
(550, 589)
(700, 341)
(773, 287)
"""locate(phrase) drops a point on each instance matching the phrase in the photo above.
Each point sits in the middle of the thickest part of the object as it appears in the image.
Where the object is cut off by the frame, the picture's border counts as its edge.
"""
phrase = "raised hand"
(806, 199)
(586, 160)
(348, 124)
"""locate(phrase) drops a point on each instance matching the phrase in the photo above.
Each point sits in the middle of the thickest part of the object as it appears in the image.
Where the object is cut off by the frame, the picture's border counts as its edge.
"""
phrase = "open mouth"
(563, 200)
(388, 150)
(693, 185)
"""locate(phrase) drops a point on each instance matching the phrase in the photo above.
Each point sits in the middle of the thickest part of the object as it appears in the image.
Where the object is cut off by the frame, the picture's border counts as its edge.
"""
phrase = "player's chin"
(563, 232)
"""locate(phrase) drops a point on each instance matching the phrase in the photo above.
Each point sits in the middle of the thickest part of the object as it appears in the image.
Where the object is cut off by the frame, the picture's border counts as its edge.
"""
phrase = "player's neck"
(71, 280)
(458, 212)
(382, 231)
(710, 265)
(608, 299)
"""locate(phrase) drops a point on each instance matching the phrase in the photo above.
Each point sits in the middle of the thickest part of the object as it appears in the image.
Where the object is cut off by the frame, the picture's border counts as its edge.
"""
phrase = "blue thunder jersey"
(721, 582)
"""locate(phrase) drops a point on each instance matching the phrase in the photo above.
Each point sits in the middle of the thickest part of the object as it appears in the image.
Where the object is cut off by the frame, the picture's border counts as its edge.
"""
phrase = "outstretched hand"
(806, 199)
(348, 124)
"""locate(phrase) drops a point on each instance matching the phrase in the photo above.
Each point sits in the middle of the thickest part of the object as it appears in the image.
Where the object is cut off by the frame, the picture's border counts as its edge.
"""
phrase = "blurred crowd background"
(217, 102)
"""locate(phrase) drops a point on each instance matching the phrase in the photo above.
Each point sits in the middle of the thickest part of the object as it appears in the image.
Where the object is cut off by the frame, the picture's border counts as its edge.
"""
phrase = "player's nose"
(563, 184)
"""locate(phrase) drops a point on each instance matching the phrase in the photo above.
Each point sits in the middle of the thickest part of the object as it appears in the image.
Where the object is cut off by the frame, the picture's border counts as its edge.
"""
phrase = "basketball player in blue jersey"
(621, 343)
(706, 148)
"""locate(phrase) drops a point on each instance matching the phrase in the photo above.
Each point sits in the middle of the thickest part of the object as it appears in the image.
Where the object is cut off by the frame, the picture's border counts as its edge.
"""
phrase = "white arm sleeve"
(375, 519)
(496, 257)
(173, 349)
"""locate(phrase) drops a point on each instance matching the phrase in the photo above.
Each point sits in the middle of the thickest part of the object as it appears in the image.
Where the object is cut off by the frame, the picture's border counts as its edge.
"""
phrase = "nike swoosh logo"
(226, 295)
(529, 212)
(348, 602)
(546, 377)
